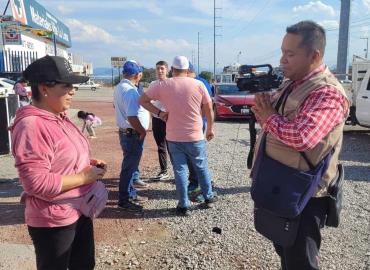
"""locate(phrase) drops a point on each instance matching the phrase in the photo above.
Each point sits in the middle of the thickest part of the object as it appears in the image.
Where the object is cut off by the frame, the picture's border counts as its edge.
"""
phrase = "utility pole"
(345, 10)
(55, 44)
(237, 57)
(198, 55)
(214, 38)
(367, 45)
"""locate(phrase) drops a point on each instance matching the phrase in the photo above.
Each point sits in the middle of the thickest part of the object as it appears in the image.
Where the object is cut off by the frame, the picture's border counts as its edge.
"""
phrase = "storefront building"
(31, 32)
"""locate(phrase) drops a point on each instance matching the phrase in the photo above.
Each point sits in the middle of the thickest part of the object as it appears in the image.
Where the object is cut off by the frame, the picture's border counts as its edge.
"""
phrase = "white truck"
(359, 92)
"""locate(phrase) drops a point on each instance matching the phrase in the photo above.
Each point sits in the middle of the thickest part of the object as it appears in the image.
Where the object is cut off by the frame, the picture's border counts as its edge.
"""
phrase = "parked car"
(7, 87)
(229, 102)
(90, 85)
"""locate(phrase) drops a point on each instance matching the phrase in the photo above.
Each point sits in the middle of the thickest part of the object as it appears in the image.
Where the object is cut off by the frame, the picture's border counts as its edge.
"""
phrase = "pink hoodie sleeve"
(33, 152)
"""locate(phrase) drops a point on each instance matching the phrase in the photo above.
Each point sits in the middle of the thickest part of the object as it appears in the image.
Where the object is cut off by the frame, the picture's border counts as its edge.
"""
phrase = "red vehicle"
(229, 102)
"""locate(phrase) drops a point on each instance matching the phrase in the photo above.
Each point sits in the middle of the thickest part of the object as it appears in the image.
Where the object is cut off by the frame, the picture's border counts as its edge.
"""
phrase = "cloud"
(136, 26)
(83, 32)
(150, 6)
(315, 6)
(366, 4)
(64, 10)
(167, 45)
(329, 24)
(364, 31)
(191, 20)
(229, 9)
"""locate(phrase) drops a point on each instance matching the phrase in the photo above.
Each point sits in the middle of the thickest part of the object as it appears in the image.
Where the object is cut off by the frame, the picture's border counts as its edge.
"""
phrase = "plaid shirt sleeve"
(324, 109)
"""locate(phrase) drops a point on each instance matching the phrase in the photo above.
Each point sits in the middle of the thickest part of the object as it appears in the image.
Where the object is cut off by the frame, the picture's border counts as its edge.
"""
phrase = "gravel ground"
(191, 244)
(160, 240)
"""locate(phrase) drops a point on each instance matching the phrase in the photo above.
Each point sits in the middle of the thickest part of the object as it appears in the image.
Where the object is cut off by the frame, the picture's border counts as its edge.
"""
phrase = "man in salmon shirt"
(185, 99)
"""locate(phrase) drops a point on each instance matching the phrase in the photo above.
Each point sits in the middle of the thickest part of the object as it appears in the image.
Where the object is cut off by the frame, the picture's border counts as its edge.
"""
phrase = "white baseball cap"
(180, 62)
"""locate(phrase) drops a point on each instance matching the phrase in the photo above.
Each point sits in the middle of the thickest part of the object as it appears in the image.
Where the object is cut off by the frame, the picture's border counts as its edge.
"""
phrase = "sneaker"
(182, 211)
(161, 176)
(199, 199)
(130, 207)
(139, 199)
(194, 190)
(209, 203)
(140, 184)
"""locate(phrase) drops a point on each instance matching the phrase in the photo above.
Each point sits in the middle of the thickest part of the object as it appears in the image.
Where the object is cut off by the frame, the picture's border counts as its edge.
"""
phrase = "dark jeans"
(304, 254)
(132, 148)
(59, 248)
(159, 133)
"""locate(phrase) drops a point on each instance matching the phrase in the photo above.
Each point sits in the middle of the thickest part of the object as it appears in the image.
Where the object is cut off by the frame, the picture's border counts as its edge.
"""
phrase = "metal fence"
(15, 61)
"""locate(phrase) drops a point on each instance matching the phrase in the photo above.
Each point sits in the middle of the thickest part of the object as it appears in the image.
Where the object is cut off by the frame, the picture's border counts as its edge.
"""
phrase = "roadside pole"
(55, 44)
(112, 78)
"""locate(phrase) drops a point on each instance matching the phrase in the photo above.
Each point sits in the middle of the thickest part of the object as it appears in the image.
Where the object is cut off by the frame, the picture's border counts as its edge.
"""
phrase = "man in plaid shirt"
(324, 109)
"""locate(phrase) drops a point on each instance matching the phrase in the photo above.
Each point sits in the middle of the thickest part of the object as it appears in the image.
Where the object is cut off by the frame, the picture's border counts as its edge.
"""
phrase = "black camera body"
(258, 78)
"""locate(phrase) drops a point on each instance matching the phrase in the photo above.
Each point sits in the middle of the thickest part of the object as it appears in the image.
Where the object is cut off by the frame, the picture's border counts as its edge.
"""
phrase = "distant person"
(133, 122)
(159, 126)
(21, 91)
(91, 121)
(184, 99)
(302, 123)
(213, 85)
(53, 161)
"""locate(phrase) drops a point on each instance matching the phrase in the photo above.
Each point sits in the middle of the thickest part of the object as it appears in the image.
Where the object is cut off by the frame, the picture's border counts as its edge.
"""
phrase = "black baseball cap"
(52, 69)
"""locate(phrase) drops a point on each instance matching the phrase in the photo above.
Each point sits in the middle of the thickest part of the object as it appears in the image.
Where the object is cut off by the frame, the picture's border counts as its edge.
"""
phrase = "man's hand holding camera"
(263, 108)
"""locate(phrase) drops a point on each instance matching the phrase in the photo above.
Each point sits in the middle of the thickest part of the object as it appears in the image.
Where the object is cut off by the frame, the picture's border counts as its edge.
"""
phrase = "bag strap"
(283, 98)
(281, 102)
(309, 163)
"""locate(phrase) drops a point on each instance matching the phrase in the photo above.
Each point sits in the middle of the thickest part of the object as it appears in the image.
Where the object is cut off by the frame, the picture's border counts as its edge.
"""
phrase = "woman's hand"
(98, 163)
(93, 173)
(88, 175)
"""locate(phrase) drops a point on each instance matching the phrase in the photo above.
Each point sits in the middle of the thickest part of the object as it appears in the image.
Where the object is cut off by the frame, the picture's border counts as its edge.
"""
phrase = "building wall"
(14, 58)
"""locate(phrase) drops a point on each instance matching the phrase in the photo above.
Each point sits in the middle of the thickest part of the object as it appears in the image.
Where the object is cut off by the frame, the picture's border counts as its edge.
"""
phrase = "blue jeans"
(132, 148)
(195, 152)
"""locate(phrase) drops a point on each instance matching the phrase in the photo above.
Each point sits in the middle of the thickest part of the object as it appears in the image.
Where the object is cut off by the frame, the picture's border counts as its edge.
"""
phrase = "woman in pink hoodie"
(53, 161)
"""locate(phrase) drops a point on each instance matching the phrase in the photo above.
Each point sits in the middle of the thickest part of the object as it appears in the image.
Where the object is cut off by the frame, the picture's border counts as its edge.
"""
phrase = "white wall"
(40, 45)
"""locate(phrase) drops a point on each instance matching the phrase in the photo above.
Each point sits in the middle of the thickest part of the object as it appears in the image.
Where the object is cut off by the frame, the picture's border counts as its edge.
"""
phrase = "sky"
(250, 31)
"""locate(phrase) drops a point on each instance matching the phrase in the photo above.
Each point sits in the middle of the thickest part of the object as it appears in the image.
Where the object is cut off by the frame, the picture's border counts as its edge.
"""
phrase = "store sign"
(11, 33)
(28, 45)
(117, 62)
(31, 13)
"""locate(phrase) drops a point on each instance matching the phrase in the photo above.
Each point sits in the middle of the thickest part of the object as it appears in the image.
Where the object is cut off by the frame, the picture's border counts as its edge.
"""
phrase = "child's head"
(82, 114)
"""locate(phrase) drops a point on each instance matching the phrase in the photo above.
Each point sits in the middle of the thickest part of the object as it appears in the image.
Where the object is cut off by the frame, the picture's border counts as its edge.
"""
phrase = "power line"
(248, 23)
(266, 56)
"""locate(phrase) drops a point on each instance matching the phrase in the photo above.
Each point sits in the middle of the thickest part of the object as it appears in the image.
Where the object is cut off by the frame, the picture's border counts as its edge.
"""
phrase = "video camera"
(258, 78)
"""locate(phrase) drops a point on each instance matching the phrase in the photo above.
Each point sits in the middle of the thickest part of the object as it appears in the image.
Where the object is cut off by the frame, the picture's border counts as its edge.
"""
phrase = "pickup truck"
(90, 85)
(359, 92)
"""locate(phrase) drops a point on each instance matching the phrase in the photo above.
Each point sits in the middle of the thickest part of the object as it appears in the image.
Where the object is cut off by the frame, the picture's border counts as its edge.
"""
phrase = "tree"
(206, 75)
(148, 75)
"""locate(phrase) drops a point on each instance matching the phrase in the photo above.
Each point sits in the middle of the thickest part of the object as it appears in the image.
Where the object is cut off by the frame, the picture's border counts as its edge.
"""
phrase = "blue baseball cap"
(191, 67)
(131, 67)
